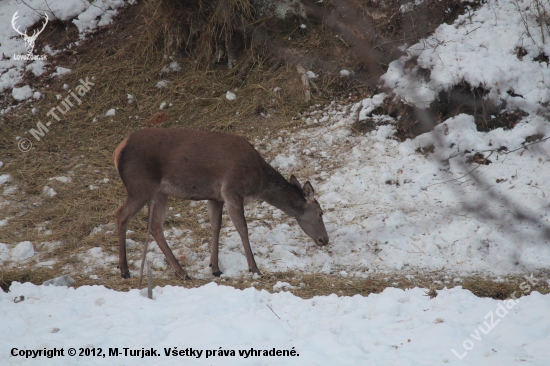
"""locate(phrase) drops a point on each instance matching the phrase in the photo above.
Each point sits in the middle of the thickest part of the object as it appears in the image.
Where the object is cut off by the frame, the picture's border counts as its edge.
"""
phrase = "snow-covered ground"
(389, 208)
(396, 327)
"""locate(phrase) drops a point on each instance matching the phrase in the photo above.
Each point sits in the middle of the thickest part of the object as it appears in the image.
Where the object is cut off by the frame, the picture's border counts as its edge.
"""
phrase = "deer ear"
(308, 192)
(295, 182)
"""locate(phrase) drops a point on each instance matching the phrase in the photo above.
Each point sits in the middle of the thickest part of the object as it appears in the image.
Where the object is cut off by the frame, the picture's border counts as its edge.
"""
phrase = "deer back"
(189, 164)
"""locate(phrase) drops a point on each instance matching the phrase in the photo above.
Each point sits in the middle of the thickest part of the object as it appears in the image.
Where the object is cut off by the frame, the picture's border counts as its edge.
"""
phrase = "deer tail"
(118, 150)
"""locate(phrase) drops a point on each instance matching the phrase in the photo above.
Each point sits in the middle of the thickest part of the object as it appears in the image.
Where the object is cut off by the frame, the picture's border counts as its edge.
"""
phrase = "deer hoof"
(125, 275)
(257, 271)
(217, 273)
(185, 276)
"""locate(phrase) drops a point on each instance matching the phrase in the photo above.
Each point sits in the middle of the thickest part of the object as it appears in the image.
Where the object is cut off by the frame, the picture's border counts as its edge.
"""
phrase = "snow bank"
(395, 327)
(497, 47)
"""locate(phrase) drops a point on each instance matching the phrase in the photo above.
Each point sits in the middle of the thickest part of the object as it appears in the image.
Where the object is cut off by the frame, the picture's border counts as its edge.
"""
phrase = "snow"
(283, 161)
(110, 112)
(62, 179)
(4, 178)
(480, 48)
(398, 327)
(49, 192)
(60, 71)
(162, 83)
(22, 251)
(64, 280)
(4, 252)
(279, 286)
(312, 75)
(37, 67)
(173, 66)
(345, 73)
(230, 95)
(22, 93)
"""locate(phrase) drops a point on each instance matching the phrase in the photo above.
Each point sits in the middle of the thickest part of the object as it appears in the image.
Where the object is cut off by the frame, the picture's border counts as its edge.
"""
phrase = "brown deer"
(155, 163)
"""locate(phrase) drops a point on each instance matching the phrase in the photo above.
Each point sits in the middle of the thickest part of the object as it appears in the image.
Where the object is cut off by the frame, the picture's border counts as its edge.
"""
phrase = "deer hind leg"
(159, 213)
(124, 214)
(235, 207)
(215, 212)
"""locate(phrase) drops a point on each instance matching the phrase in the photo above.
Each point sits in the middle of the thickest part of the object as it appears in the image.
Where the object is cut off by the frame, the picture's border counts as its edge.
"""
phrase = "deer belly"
(190, 190)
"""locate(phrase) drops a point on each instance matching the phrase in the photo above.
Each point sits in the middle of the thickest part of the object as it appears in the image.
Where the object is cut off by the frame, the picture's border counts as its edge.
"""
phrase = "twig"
(472, 30)
(341, 39)
(273, 311)
(418, 248)
(450, 180)
(149, 281)
(397, 40)
(524, 146)
(30, 7)
(22, 298)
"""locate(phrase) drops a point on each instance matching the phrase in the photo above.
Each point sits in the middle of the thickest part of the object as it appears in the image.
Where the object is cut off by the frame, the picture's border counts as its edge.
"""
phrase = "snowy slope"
(387, 207)
(395, 327)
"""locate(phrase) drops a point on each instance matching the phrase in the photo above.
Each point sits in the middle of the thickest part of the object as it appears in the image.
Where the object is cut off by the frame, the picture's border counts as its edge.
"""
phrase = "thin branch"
(273, 311)
(451, 180)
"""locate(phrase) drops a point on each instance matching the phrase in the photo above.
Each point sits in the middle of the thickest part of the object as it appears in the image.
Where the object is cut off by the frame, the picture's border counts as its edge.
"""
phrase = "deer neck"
(278, 192)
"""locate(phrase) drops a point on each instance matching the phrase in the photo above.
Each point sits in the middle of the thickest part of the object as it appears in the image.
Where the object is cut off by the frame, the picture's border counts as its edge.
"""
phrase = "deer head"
(29, 40)
(310, 218)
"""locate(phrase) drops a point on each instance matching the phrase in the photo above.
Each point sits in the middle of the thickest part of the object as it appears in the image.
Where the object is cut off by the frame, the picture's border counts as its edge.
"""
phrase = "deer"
(155, 163)
(29, 40)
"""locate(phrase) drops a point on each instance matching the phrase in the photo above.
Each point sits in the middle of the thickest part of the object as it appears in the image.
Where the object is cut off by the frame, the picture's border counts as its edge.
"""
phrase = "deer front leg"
(215, 212)
(236, 212)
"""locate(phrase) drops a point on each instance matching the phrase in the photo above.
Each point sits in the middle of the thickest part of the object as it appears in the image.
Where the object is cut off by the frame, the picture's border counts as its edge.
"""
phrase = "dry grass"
(306, 285)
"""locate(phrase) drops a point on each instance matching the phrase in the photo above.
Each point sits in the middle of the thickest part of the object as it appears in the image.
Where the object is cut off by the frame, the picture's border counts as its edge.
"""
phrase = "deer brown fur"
(155, 163)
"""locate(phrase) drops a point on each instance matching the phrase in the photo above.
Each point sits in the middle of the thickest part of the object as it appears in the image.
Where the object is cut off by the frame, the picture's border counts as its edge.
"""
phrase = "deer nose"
(322, 241)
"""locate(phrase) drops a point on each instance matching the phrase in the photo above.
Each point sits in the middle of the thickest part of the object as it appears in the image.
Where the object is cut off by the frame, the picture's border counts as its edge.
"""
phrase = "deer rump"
(155, 163)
